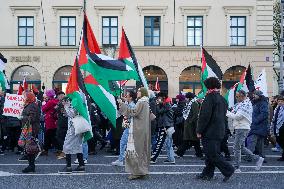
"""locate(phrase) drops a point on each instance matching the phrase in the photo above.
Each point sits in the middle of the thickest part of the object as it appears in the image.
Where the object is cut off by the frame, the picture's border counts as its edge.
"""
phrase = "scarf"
(278, 119)
(187, 108)
(130, 148)
(244, 108)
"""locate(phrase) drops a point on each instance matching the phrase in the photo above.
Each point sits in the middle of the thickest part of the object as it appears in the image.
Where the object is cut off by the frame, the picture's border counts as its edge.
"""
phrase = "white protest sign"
(13, 105)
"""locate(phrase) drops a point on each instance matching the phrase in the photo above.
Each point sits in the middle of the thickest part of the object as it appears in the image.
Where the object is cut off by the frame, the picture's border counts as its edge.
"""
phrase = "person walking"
(72, 143)
(31, 115)
(212, 131)
(138, 151)
(277, 125)
(130, 100)
(50, 119)
(242, 118)
(189, 136)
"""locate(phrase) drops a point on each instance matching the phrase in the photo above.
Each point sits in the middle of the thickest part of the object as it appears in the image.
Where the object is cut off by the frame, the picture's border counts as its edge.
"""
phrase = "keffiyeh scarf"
(278, 123)
(245, 109)
(187, 108)
(130, 149)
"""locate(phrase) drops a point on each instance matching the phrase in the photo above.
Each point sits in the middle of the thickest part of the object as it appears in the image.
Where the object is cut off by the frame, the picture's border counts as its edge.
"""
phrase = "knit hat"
(189, 95)
(50, 93)
(180, 97)
(258, 93)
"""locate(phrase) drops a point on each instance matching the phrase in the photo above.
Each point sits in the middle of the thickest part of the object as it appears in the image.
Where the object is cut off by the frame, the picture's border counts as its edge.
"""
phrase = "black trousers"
(224, 145)
(50, 139)
(213, 159)
(178, 135)
(11, 137)
(187, 144)
(159, 144)
(280, 139)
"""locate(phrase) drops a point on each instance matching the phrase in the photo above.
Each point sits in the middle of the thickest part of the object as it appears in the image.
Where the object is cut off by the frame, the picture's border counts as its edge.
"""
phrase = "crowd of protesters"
(149, 122)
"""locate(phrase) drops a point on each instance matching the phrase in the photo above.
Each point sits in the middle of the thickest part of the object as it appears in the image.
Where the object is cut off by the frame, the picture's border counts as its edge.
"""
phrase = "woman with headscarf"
(50, 119)
(31, 115)
(138, 151)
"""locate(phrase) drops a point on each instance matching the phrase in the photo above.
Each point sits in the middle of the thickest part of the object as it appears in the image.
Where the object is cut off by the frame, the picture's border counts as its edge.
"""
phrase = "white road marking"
(151, 173)
(159, 165)
(165, 156)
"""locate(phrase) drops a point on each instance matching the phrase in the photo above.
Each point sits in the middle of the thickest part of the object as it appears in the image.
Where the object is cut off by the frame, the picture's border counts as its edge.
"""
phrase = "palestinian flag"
(20, 90)
(4, 84)
(157, 85)
(249, 80)
(230, 95)
(102, 68)
(103, 99)
(209, 69)
(261, 84)
(127, 55)
(75, 92)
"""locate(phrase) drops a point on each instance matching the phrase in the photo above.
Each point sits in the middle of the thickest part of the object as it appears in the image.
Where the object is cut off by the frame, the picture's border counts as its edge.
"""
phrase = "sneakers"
(23, 158)
(238, 170)
(259, 163)
(61, 155)
(170, 162)
(153, 162)
(77, 162)
(66, 170)
(79, 169)
(117, 163)
(29, 169)
(275, 149)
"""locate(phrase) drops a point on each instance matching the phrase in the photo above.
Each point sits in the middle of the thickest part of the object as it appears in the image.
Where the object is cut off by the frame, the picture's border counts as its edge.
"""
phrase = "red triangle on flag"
(90, 80)
(91, 40)
(72, 85)
(123, 48)
(20, 90)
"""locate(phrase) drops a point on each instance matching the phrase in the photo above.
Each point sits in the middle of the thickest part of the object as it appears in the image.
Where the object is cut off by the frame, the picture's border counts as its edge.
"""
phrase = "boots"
(31, 167)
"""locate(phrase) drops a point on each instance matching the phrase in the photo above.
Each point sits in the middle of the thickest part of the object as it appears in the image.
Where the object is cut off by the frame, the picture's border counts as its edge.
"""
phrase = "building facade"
(40, 38)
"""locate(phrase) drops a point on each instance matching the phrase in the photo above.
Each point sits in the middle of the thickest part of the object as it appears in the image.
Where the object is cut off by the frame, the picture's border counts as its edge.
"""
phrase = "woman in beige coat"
(137, 160)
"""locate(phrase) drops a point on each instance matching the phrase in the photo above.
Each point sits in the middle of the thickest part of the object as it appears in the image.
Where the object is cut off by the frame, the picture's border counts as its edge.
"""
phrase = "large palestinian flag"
(103, 68)
(75, 91)
(103, 99)
(127, 55)
(209, 69)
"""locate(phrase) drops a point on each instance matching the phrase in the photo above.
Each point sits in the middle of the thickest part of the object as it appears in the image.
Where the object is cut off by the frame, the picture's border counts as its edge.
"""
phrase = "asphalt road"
(100, 174)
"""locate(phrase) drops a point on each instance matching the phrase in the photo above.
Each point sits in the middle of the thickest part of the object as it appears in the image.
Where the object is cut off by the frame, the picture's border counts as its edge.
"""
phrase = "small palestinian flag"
(209, 69)
(4, 83)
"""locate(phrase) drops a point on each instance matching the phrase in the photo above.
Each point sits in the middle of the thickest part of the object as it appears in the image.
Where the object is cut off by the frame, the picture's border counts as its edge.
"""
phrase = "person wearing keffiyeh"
(242, 119)
(277, 124)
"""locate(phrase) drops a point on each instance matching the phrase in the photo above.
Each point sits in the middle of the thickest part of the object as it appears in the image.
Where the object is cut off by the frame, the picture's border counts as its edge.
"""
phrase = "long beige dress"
(139, 165)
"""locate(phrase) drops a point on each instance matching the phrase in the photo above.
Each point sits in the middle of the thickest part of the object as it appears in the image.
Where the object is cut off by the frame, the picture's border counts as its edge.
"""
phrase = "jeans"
(85, 150)
(255, 143)
(239, 147)
(153, 142)
(123, 144)
(169, 148)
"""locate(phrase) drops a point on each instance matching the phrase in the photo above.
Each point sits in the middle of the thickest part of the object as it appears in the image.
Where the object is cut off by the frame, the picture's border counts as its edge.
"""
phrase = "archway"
(60, 78)
(152, 73)
(30, 73)
(189, 80)
(232, 76)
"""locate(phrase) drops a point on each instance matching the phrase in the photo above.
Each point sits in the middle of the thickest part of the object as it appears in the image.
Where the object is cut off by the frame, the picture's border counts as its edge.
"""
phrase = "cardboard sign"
(13, 105)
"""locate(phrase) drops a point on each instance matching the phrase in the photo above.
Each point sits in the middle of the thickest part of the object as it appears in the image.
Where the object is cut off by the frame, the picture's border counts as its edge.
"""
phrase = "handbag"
(26, 134)
(81, 125)
(32, 147)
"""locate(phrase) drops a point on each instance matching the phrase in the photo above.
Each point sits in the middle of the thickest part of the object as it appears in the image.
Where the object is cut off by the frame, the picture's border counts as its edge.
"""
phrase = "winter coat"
(153, 108)
(62, 123)
(165, 115)
(212, 117)
(178, 113)
(190, 123)
(31, 113)
(259, 125)
(50, 116)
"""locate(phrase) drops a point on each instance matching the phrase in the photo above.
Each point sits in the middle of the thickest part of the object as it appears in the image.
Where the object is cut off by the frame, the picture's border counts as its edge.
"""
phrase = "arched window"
(30, 73)
(232, 76)
(189, 80)
(60, 78)
(152, 73)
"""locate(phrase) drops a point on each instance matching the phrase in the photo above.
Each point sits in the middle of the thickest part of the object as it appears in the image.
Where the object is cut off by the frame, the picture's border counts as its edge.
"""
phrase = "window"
(194, 30)
(152, 26)
(238, 30)
(67, 31)
(25, 31)
(110, 30)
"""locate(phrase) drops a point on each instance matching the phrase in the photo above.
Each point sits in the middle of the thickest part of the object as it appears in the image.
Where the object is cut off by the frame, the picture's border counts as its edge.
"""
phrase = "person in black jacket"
(178, 120)
(153, 108)
(211, 129)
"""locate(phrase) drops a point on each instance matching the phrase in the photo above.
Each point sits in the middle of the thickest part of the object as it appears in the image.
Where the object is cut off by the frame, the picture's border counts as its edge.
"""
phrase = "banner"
(13, 105)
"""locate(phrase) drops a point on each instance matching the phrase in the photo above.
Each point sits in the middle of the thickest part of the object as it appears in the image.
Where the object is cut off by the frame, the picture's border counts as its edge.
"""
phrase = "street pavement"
(100, 174)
